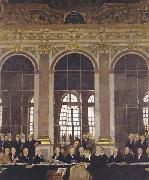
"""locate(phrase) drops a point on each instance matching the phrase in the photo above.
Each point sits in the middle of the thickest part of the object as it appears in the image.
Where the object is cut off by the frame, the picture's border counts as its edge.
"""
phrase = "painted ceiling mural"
(73, 11)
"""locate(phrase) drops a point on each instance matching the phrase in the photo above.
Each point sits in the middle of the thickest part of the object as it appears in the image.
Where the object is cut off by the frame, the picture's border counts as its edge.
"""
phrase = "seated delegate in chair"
(128, 157)
(116, 157)
(13, 155)
(5, 157)
(63, 152)
(98, 161)
(39, 157)
(1, 142)
(58, 155)
(25, 158)
(7, 141)
(76, 146)
(99, 158)
(140, 157)
(87, 155)
(136, 143)
(17, 144)
(31, 144)
(80, 156)
(143, 143)
(130, 142)
(71, 158)
(147, 154)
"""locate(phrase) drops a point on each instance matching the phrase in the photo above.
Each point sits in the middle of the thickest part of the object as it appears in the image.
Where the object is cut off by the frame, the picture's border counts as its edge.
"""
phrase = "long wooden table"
(42, 172)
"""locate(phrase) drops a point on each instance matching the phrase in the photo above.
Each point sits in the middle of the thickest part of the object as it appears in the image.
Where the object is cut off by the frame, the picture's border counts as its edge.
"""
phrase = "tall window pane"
(91, 104)
(131, 84)
(70, 124)
(31, 117)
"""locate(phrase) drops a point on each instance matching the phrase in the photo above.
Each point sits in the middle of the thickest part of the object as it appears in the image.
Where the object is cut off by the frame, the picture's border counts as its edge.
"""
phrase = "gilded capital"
(103, 48)
(44, 48)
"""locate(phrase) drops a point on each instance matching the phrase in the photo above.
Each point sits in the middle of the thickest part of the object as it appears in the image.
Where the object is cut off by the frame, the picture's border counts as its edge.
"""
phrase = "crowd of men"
(136, 150)
(22, 150)
(19, 149)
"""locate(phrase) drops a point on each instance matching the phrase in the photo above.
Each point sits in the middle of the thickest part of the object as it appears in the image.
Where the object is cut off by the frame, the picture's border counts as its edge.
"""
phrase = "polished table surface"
(39, 172)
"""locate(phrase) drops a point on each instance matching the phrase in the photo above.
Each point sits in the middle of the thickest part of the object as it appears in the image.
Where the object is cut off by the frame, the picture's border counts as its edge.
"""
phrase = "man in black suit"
(71, 158)
(143, 144)
(17, 144)
(98, 160)
(1, 142)
(128, 157)
(13, 155)
(31, 144)
(80, 156)
(130, 143)
(140, 157)
(8, 141)
(58, 155)
(136, 143)
(25, 158)
(147, 154)
(116, 157)
(39, 157)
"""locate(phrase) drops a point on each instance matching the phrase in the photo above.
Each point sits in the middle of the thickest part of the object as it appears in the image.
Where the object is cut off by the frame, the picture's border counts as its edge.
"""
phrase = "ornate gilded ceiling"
(94, 12)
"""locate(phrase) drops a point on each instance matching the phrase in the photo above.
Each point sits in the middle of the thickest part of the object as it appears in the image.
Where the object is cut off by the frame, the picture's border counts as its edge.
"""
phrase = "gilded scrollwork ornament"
(103, 48)
(44, 48)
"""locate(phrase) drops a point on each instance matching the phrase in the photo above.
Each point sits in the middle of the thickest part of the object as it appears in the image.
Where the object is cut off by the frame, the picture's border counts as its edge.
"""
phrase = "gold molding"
(105, 141)
(103, 48)
(44, 48)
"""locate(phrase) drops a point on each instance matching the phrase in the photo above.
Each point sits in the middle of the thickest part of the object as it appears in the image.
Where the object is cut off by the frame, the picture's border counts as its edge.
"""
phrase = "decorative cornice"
(86, 33)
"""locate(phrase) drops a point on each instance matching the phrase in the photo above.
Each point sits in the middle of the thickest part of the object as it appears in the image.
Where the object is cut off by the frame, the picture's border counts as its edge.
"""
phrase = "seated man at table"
(140, 157)
(116, 157)
(71, 158)
(13, 155)
(143, 144)
(128, 157)
(17, 144)
(99, 158)
(87, 155)
(25, 157)
(39, 157)
(147, 154)
(98, 161)
(31, 144)
(80, 156)
(5, 157)
(130, 142)
(58, 155)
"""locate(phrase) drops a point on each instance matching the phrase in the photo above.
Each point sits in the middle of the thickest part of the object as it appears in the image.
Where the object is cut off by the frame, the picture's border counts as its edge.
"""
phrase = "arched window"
(31, 117)
(1, 112)
(91, 104)
(70, 123)
(73, 74)
(130, 85)
(17, 86)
